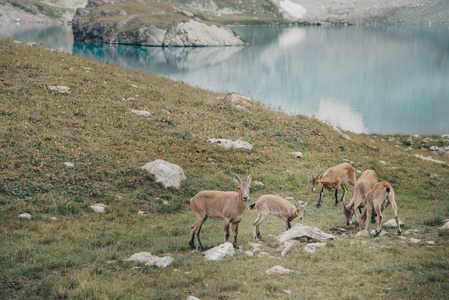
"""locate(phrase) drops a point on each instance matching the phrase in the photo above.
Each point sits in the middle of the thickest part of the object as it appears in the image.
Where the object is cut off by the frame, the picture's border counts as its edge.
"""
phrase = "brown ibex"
(378, 198)
(333, 178)
(363, 185)
(277, 206)
(217, 205)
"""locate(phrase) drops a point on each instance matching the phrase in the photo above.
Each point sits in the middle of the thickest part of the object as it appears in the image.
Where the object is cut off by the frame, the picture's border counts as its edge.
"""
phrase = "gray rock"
(151, 260)
(299, 231)
(154, 26)
(297, 154)
(141, 113)
(69, 164)
(192, 298)
(392, 223)
(231, 144)
(362, 233)
(170, 175)
(278, 270)
(60, 89)
(444, 227)
(312, 247)
(219, 252)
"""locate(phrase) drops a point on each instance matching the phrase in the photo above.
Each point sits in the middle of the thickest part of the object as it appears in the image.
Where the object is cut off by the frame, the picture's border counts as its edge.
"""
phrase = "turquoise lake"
(366, 79)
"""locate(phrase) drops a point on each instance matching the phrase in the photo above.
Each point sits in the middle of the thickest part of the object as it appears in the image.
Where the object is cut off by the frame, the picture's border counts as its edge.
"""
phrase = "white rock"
(69, 164)
(415, 241)
(60, 89)
(151, 260)
(278, 270)
(192, 298)
(288, 292)
(170, 175)
(25, 216)
(99, 207)
(239, 144)
(382, 162)
(141, 113)
(312, 247)
(297, 154)
(249, 253)
(392, 223)
(299, 230)
(431, 242)
(219, 252)
(444, 227)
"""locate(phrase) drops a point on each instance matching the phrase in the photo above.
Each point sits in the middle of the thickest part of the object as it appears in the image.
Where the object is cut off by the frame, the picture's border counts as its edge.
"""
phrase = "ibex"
(378, 198)
(362, 186)
(277, 206)
(217, 205)
(333, 178)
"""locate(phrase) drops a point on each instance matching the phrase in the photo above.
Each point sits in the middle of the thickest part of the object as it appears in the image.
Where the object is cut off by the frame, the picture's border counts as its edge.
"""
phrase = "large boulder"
(136, 22)
(170, 175)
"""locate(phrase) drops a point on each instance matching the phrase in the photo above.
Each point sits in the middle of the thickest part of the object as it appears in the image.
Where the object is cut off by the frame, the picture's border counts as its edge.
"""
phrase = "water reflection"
(392, 79)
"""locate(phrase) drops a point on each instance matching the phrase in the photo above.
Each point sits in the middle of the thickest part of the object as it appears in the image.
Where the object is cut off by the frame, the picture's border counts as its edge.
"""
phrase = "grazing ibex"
(217, 205)
(362, 186)
(278, 206)
(333, 178)
(378, 198)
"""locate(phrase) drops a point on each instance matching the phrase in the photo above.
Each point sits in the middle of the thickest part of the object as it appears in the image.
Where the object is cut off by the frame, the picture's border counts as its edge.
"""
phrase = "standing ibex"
(227, 206)
(378, 198)
(277, 206)
(333, 178)
(362, 186)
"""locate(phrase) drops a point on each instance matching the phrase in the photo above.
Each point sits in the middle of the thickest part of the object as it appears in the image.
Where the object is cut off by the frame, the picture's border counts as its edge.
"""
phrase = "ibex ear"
(305, 204)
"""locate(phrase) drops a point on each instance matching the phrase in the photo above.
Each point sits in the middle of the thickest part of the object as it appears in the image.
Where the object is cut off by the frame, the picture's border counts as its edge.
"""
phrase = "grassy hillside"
(68, 251)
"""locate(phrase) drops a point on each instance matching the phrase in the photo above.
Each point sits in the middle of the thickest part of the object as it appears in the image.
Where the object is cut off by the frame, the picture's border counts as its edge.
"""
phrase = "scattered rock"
(392, 224)
(249, 253)
(140, 212)
(69, 164)
(141, 113)
(25, 216)
(288, 292)
(430, 159)
(99, 207)
(278, 270)
(382, 162)
(264, 254)
(415, 241)
(60, 89)
(312, 247)
(431, 243)
(219, 252)
(151, 260)
(192, 298)
(170, 175)
(239, 144)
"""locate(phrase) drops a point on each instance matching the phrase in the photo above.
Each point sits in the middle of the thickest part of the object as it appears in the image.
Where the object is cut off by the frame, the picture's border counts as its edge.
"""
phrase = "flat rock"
(25, 216)
(298, 231)
(151, 260)
(231, 144)
(278, 270)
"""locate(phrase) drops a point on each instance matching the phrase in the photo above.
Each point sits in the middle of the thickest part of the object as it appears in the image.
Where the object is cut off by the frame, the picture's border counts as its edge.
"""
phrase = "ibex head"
(316, 180)
(243, 187)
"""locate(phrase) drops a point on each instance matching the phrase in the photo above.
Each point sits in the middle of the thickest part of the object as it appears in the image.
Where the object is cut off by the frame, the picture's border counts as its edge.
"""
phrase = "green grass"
(68, 251)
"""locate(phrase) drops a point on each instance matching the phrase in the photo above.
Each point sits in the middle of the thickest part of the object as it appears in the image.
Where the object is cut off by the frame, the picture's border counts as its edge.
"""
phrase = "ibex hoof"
(318, 205)
(376, 234)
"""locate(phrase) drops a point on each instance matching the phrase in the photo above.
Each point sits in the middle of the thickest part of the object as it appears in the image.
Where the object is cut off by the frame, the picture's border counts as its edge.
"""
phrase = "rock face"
(136, 22)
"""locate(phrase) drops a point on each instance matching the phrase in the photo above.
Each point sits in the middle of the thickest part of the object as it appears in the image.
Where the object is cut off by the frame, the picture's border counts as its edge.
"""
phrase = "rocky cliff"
(137, 22)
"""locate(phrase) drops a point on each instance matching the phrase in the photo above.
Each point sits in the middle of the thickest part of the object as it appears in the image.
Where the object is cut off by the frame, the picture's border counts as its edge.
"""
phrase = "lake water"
(366, 79)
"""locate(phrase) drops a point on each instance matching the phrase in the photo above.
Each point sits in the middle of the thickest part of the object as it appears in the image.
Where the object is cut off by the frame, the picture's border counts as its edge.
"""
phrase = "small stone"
(25, 216)
(415, 241)
(141, 113)
(69, 164)
(297, 154)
